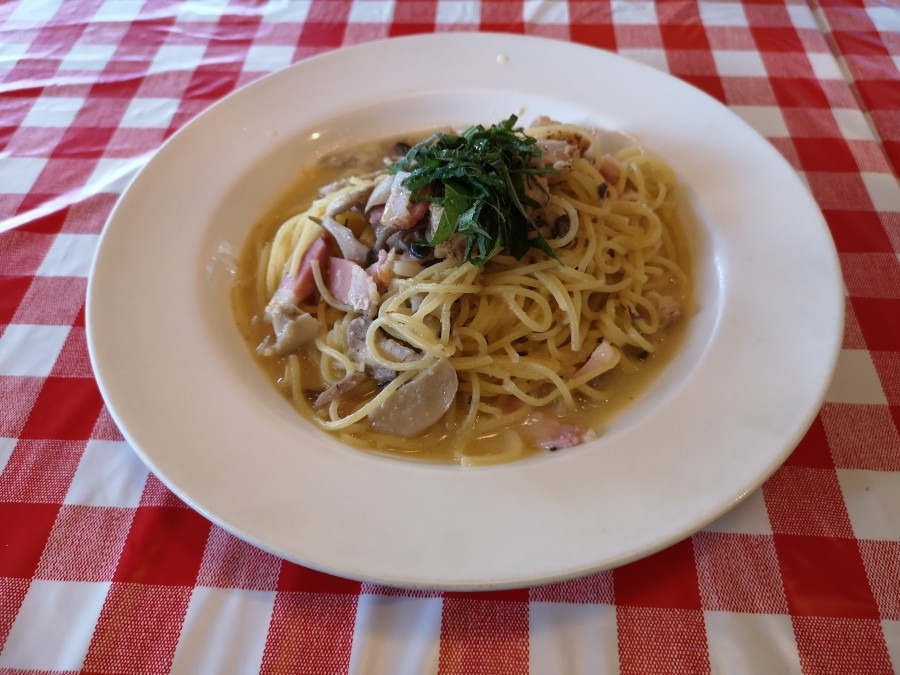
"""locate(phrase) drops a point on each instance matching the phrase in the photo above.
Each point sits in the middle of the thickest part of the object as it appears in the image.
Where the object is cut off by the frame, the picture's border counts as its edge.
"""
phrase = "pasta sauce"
(387, 322)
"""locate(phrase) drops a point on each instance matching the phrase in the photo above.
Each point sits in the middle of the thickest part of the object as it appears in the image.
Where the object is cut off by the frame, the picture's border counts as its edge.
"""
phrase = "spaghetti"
(396, 343)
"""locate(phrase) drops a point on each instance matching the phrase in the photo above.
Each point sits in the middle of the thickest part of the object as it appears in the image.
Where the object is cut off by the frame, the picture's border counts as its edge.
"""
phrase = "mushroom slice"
(419, 403)
(351, 247)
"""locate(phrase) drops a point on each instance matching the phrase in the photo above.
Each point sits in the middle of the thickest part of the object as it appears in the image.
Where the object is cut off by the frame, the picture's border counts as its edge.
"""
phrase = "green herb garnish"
(480, 178)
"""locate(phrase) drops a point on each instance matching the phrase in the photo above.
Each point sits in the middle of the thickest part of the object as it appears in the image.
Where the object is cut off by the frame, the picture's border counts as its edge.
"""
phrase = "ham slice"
(351, 285)
(298, 287)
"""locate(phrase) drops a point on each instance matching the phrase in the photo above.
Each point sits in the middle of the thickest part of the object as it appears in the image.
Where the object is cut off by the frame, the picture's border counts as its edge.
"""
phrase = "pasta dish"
(476, 297)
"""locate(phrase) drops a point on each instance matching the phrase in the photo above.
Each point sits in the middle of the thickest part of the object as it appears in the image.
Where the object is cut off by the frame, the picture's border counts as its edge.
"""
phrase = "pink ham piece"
(298, 287)
(551, 434)
(351, 285)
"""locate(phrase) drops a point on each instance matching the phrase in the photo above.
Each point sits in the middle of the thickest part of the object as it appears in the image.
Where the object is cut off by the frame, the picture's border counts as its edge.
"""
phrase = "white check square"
(767, 120)
(655, 58)
(70, 255)
(177, 57)
(573, 637)
(737, 63)
(825, 66)
(265, 58)
(891, 631)
(287, 11)
(7, 445)
(202, 10)
(88, 57)
(53, 111)
(31, 351)
(855, 380)
(109, 474)
(722, 14)
(408, 638)
(150, 113)
(18, 174)
(634, 12)
(872, 499)
(802, 17)
(120, 11)
(35, 13)
(451, 12)
(224, 631)
(883, 190)
(748, 517)
(67, 612)
(886, 19)
(748, 643)
(853, 124)
(371, 11)
(546, 12)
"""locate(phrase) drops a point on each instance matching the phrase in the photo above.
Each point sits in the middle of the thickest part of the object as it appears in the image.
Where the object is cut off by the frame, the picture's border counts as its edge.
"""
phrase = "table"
(104, 570)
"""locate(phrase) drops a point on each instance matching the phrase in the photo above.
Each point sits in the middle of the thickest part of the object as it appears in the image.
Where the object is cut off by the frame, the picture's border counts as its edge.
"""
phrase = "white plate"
(738, 396)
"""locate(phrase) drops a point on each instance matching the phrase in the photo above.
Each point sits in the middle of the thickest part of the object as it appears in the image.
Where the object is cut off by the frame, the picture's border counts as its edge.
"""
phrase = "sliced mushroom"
(348, 198)
(380, 193)
(351, 247)
(419, 403)
(293, 332)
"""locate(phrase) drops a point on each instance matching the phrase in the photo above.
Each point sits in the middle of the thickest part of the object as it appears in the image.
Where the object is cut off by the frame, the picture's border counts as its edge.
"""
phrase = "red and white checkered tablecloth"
(103, 570)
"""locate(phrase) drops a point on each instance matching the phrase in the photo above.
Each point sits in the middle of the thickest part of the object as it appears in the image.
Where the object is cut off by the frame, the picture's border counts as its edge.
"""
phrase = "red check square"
(684, 36)
(654, 640)
(40, 470)
(24, 529)
(806, 502)
(105, 429)
(739, 573)
(592, 589)
(73, 359)
(596, 35)
(812, 452)
(879, 319)
(841, 645)
(229, 562)
(882, 560)
(138, 629)
(23, 252)
(12, 594)
(295, 578)
(85, 543)
(52, 301)
(309, 628)
(877, 448)
(17, 397)
(12, 291)
(667, 579)
(824, 577)
(858, 232)
(796, 92)
(67, 408)
(466, 645)
(825, 154)
(774, 39)
(165, 546)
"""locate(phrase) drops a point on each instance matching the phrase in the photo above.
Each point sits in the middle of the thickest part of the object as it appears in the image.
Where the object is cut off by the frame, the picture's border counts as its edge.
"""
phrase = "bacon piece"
(551, 434)
(297, 288)
(351, 285)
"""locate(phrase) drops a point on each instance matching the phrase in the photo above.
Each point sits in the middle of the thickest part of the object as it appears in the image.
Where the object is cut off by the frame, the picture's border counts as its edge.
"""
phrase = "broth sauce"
(621, 386)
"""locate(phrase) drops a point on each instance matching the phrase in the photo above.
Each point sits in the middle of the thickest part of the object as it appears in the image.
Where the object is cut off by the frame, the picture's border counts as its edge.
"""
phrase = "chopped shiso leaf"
(480, 179)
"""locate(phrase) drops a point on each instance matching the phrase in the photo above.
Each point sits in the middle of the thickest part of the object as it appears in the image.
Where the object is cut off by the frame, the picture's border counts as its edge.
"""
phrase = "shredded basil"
(480, 179)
